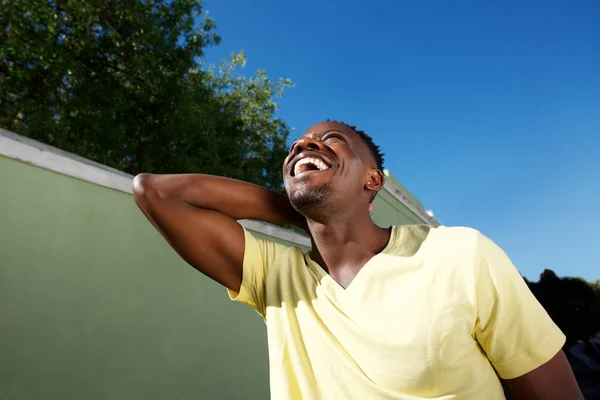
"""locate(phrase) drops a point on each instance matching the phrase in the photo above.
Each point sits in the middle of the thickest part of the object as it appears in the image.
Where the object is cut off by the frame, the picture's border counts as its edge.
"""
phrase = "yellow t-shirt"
(436, 315)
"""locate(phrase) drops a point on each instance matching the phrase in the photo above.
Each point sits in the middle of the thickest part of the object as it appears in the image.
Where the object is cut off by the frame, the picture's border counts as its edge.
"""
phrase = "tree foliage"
(260, 137)
(122, 83)
(572, 303)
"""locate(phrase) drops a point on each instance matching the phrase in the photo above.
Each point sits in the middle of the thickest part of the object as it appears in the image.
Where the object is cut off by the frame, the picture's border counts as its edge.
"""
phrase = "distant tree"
(596, 286)
(261, 138)
(572, 303)
(122, 83)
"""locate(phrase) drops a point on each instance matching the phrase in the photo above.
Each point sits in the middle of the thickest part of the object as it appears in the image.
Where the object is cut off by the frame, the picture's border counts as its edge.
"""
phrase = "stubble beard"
(306, 200)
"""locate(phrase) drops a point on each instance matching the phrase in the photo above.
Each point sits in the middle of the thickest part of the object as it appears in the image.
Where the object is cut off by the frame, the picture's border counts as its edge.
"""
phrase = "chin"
(306, 199)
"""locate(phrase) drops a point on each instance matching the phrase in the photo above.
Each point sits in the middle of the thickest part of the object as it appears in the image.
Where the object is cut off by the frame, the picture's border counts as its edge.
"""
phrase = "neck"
(346, 243)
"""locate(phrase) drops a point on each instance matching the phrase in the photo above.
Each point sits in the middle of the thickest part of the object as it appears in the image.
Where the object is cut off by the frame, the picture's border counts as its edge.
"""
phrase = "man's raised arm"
(197, 215)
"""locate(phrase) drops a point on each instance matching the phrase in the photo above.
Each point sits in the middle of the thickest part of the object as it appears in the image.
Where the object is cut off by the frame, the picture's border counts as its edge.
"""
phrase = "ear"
(375, 180)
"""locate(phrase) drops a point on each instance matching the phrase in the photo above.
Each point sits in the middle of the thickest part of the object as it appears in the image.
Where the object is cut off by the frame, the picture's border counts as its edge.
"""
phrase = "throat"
(343, 250)
(345, 272)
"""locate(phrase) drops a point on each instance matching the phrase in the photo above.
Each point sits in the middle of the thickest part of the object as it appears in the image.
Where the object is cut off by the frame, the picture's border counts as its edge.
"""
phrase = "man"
(407, 312)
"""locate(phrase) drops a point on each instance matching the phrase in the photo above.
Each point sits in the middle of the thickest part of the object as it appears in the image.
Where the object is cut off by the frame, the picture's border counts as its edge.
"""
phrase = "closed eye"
(335, 136)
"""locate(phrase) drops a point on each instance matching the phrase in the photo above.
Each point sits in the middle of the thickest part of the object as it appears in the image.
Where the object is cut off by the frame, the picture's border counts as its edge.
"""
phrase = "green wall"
(389, 211)
(395, 182)
(95, 305)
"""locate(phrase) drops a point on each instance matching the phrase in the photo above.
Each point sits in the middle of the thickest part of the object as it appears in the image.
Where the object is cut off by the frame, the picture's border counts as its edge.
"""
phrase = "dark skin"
(197, 216)
(344, 237)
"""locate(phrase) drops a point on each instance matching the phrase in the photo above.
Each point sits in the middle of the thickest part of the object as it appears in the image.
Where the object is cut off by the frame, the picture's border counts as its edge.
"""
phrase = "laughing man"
(405, 312)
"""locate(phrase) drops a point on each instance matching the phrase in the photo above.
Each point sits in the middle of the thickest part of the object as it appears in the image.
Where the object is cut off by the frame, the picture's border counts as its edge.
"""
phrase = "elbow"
(141, 186)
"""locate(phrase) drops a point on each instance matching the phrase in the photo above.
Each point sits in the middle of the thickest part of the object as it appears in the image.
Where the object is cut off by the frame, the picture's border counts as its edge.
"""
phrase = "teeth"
(310, 160)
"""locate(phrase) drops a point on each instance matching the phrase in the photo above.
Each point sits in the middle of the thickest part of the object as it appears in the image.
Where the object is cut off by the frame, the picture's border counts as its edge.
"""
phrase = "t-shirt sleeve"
(512, 327)
(259, 257)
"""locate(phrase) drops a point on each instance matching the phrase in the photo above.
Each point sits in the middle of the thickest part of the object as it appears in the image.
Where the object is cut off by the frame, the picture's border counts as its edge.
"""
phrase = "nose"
(307, 143)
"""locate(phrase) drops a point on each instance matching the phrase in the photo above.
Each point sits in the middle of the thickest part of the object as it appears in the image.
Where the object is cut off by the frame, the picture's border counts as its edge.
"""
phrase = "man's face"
(330, 163)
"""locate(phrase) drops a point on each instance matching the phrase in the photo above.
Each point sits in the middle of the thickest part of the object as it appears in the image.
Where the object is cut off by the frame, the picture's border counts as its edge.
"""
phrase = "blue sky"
(489, 112)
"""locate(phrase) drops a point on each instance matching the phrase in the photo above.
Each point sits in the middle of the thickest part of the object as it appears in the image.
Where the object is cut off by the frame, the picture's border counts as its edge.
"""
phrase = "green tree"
(572, 303)
(123, 83)
(263, 137)
(596, 286)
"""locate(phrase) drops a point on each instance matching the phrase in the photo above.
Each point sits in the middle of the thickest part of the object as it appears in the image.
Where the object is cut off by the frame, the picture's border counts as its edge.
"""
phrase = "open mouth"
(308, 164)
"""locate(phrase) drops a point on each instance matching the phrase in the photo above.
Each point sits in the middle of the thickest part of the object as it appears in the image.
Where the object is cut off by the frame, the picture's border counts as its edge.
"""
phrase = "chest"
(397, 323)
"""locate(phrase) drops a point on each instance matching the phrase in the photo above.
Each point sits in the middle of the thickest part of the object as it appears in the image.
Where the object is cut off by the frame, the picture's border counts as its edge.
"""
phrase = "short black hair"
(373, 148)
